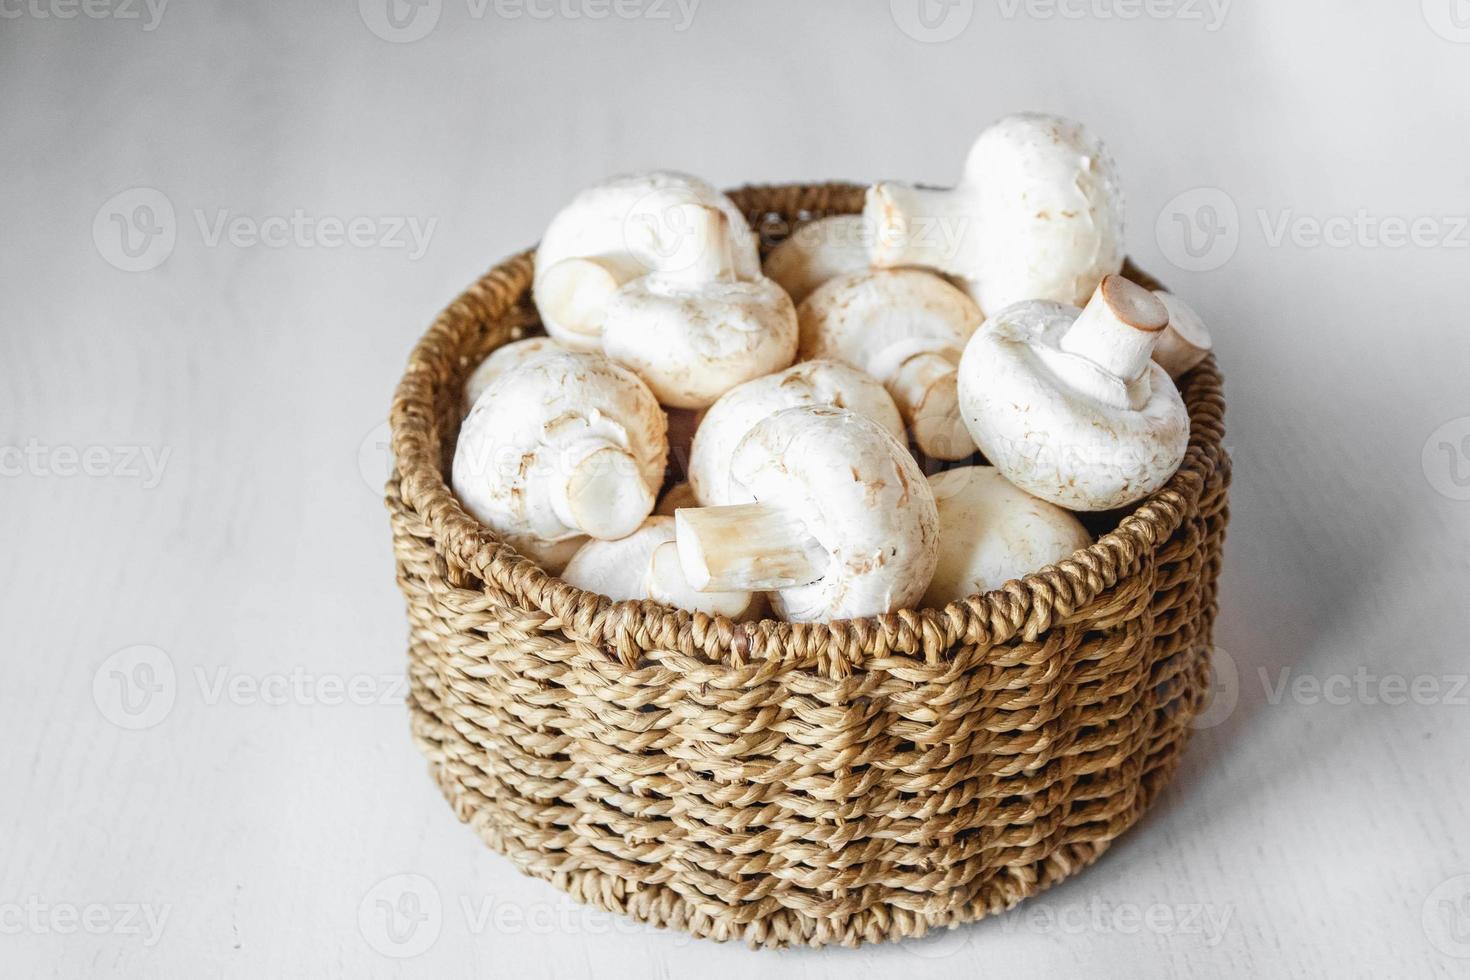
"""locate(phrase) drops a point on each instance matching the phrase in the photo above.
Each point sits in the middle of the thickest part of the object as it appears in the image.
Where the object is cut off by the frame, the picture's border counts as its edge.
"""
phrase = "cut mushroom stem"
(603, 493)
(746, 547)
(896, 240)
(668, 584)
(707, 253)
(1118, 328)
(923, 388)
(575, 291)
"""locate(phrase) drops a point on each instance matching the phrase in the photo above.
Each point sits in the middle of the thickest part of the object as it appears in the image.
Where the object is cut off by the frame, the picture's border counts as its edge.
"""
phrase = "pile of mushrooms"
(903, 407)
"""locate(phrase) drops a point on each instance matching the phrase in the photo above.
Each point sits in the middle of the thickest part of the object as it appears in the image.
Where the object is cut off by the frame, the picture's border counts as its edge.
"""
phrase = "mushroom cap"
(876, 319)
(821, 382)
(532, 429)
(632, 225)
(622, 569)
(1186, 341)
(618, 569)
(1049, 207)
(990, 532)
(817, 251)
(504, 358)
(859, 493)
(1038, 214)
(691, 343)
(907, 328)
(1063, 443)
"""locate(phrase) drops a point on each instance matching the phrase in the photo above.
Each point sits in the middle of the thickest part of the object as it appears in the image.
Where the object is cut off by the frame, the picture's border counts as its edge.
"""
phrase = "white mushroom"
(826, 383)
(678, 495)
(841, 522)
(1038, 214)
(694, 332)
(1066, 403)
(907, 328)
(569, 444)
(1185, 341)
(615, 232)
(990, 532)
(503, 358)
(818, 251)
(645, 565)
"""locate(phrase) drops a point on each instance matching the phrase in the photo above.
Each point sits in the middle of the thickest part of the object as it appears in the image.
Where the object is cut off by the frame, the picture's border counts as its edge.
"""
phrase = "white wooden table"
(224, 225)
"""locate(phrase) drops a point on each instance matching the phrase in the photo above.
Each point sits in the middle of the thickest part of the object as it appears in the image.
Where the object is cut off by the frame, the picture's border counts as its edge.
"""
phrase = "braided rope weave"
(786, 783)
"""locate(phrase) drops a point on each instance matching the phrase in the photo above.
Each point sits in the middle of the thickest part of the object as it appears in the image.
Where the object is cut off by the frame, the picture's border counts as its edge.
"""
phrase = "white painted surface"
(1313, 838)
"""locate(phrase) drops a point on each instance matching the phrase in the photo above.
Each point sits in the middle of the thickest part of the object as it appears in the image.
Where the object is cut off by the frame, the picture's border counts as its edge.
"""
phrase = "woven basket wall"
(795, 783)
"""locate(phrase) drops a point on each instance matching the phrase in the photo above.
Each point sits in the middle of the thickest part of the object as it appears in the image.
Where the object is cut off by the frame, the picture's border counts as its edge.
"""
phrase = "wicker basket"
(782, 783)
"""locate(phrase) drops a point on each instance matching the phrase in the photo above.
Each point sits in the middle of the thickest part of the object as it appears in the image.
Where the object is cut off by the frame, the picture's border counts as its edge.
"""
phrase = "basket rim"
(1027, 606)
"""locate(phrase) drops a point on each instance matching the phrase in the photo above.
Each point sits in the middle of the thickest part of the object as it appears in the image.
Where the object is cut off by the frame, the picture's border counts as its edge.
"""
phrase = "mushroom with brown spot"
(838, 521)
(1038, 214)
(617, 231)
(819, 382)
(568, 445)
(694, 331)
(907, 328)
(1067, 404)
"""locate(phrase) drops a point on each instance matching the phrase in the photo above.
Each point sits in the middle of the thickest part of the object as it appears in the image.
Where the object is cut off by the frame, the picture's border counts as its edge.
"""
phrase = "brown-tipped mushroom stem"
(668, 584)
(1118, 328)
(923, 388)
(603, 494)
(746, 548)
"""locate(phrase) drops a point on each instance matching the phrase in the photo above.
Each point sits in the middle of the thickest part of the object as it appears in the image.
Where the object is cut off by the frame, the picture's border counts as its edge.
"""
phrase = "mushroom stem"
(746, 548)
(1118, 328)
(702, 248)
(923, 387)
(603, 494)
(575, 291)
(902, 233)
(668, 584)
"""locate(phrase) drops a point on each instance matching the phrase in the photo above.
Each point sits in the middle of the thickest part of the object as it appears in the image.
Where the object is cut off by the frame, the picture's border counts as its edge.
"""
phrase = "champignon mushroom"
(818, 251)
(1038, 214)
(990, 532)
(569, 444)
(840, 522)
(820, 382)
(1066, 403)
(1185, 341)
(502, 359)
(645, 565)
(907, 328)
(616, 231)
(694, 332)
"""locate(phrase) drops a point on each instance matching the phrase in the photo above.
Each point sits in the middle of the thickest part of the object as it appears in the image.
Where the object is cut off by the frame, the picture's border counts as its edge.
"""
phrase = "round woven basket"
(786, 783)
